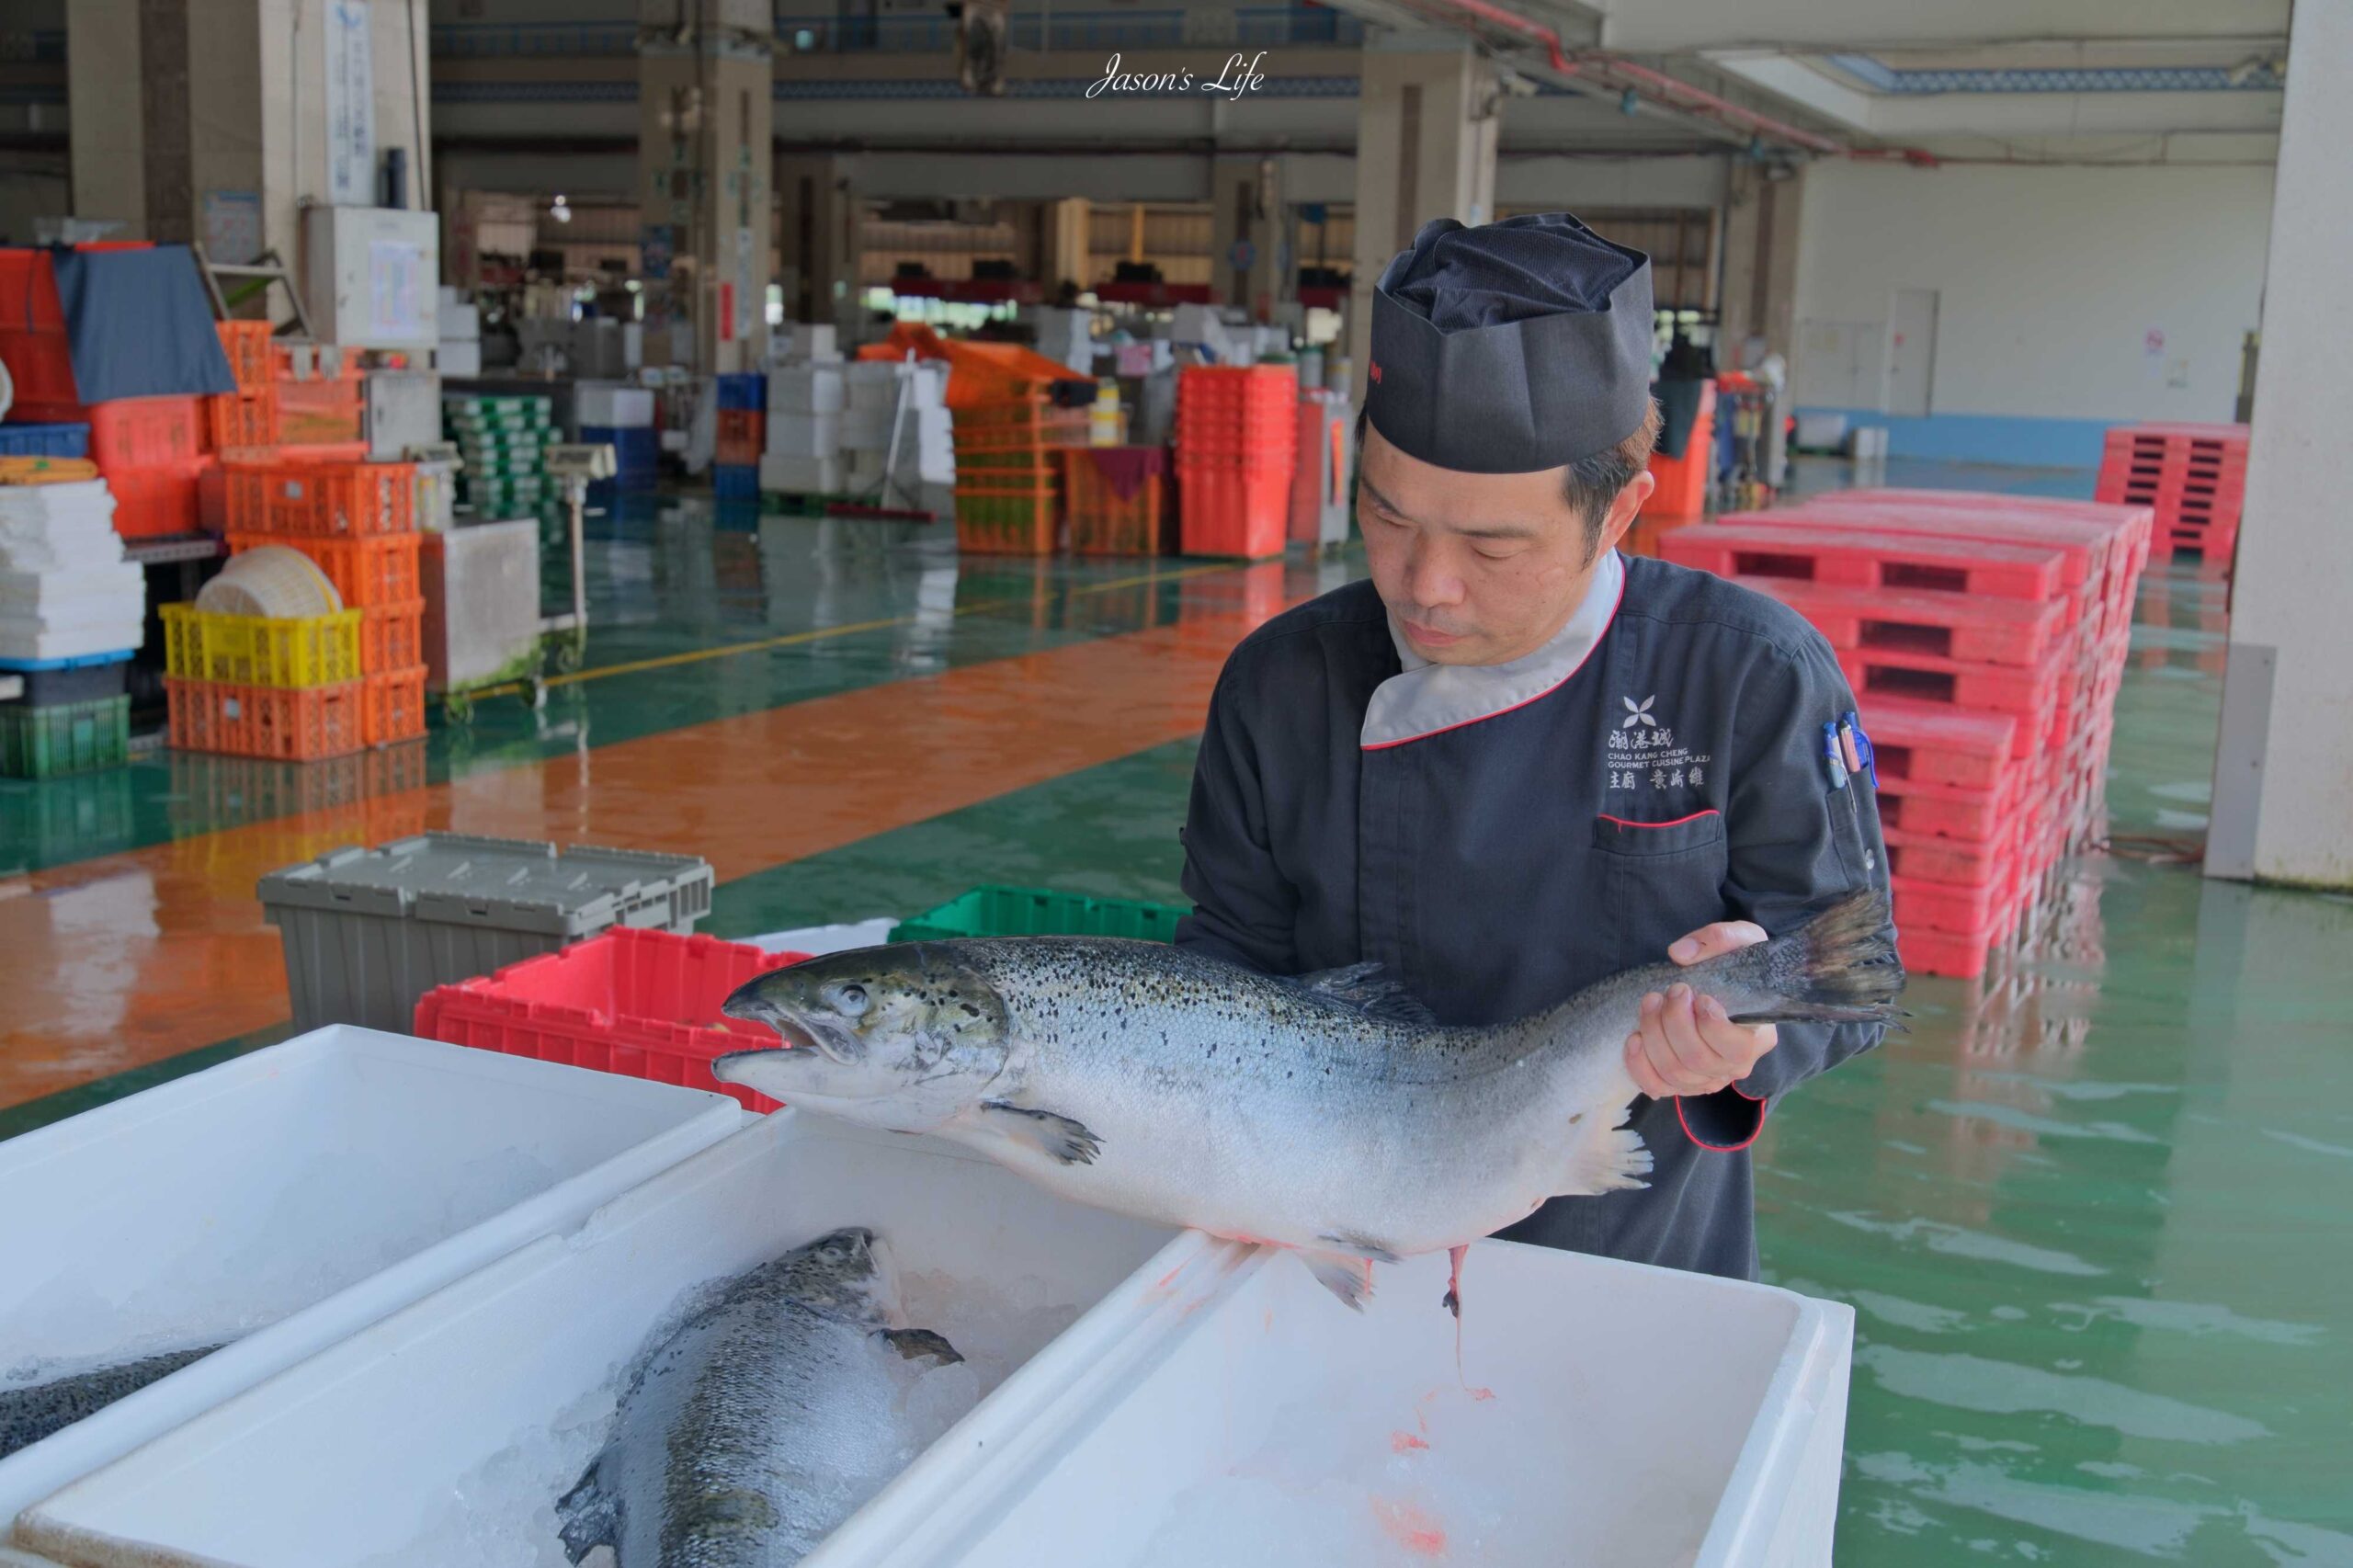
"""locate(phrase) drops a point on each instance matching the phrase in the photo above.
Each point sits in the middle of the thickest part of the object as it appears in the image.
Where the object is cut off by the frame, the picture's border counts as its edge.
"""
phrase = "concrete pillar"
(2283, 772)
(1760, 241)
(1426, 120)
(818, 234)
(1066, 258)
(705, 154)
(208, 119)
(1249, 248)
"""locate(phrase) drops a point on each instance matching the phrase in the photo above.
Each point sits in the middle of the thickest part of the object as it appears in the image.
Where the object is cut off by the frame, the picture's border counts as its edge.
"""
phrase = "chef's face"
(1480, 568)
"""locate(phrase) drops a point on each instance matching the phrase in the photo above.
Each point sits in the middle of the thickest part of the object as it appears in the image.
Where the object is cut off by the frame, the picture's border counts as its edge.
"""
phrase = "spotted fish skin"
(762, 1422)
(1323, 1112)
(32, 1411)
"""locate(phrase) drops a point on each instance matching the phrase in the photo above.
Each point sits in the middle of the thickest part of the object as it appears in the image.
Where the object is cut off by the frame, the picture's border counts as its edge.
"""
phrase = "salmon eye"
(849, 1001)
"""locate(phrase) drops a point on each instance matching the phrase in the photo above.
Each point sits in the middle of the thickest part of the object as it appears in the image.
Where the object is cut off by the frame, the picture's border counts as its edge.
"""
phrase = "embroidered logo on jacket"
(1644, 754)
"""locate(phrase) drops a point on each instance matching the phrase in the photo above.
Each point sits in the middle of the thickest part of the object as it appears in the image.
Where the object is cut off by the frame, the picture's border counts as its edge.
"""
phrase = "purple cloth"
(1125, 469)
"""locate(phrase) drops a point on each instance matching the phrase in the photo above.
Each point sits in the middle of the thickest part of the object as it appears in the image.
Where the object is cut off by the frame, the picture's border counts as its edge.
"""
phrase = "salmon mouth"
(791, 1036)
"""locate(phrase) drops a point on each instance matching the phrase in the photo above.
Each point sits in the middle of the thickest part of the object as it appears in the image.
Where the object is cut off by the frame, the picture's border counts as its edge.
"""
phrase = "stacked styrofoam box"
(800, 343)
(917, 393)
(460, 353)
(803, 456)
(614, 406)
(65, 589)
(1066, 336)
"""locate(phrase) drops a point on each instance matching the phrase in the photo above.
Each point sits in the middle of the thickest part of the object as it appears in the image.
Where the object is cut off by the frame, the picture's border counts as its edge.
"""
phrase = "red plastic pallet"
(1940, 811)
(1925, 678)
(1927, 742)
(1746, 546)
(2088, 545)
(642, 1003)
(1924, 857)
(1984, 631)
(1959, 910)
(1927, 951)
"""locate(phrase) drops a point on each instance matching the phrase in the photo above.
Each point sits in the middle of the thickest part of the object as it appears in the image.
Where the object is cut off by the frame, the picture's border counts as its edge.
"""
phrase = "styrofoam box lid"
(509, 884)
(343, 1459)
(292, 1195)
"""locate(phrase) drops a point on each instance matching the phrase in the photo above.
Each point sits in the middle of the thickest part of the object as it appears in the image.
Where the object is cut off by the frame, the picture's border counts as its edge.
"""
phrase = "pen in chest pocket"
(1830, 757)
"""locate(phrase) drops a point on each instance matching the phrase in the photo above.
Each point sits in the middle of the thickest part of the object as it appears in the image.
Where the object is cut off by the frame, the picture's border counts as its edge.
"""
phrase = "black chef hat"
(1510, 347)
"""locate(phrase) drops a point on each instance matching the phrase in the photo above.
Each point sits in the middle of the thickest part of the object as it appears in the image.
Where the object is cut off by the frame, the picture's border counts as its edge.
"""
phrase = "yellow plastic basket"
(253, 649)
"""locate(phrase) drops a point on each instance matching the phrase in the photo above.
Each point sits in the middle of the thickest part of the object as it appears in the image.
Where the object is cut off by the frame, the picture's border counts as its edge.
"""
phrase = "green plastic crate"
(63, 737)
(1036, 912)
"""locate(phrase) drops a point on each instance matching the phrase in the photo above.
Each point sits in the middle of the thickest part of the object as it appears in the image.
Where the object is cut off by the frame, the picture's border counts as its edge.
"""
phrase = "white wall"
(2049, 281)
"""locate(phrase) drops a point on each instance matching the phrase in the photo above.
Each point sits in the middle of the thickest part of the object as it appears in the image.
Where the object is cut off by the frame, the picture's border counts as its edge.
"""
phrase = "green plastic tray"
(999, 911)
(63, 737)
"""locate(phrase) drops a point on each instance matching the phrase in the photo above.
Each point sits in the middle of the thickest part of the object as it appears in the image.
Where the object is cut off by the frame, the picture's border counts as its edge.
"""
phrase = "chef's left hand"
(1686, 1044)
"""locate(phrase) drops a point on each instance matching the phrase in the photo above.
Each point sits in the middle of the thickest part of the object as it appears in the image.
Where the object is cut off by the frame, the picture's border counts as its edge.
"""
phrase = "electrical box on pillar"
(980, 47)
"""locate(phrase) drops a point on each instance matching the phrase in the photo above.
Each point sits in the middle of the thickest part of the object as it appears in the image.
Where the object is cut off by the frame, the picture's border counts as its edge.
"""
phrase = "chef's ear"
(1623, 510)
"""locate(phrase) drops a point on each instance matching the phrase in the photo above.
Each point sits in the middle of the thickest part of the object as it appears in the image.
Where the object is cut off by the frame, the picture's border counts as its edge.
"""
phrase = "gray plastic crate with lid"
(369, 931)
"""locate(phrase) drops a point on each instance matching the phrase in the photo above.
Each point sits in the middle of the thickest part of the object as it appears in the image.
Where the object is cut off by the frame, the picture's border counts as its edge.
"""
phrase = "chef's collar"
(1427, 698)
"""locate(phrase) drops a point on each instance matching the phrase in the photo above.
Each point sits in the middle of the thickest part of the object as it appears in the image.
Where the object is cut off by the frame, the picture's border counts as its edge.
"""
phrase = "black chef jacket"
(1668, 773)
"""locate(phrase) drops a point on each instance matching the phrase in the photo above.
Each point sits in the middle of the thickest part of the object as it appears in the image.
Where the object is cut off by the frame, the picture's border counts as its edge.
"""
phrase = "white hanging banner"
(351, 105)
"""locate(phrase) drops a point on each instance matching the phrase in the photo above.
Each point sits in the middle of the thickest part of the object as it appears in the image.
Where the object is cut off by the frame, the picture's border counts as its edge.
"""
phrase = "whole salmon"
(1326, 1113)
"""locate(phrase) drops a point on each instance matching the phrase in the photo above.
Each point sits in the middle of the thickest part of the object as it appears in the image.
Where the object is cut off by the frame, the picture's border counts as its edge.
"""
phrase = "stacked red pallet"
(1237, 443)
(1985, 637)
(2194, 475)
(357, 520)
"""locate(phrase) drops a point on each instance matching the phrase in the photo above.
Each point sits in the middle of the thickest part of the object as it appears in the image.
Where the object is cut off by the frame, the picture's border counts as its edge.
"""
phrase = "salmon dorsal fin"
(1366, 988)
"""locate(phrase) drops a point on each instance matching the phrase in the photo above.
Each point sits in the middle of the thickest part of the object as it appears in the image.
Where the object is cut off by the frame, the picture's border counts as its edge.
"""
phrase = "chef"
(1515, 761)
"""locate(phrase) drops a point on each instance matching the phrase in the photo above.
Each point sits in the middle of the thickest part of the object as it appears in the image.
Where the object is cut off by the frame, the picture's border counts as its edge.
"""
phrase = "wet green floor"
(2089, 1211)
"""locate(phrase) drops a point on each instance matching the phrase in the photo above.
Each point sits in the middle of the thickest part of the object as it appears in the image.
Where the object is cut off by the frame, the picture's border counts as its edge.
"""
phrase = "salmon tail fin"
(1840, 968)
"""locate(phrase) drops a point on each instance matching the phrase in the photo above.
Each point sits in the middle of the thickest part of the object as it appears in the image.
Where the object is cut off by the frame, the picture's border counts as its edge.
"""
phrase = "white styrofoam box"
(616, 404)
(386, 1428)
(865, 429)
(457, 323)
(804, 434)
(1819, 430)
(1604, 1412)
(404, 410)
(801, 476)
(809, 340)
(70, 543)
(807, 389)
(117, 585)
(873, 385)
(294, 1196)
(37, 511)
(27, 640)
(371, 274)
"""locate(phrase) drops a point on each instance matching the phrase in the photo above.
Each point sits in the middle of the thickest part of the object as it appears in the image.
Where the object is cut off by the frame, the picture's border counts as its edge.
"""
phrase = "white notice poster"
(351, 105)
(396, 290)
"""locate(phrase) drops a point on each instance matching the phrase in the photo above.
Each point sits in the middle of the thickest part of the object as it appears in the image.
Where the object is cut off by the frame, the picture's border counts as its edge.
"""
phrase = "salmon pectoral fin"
(915, 1344)
(1050, 1133)
(1358, 1247)
(592, 1517)
(1351, 1278)
(1603, 1159)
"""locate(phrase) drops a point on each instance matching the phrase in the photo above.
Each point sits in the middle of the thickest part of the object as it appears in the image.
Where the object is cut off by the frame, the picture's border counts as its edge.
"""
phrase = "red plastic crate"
(1233, 510)
(1745, 545)
(1928, 951)
(392, 637)
(378, 570)
(1953, 626)
(164, 499)
(145, 432)
(33, 334)
(289, 723)
(1955, 909)
(392, 706)
(742, 433)
(642, 1003)
(329, 498)
(322, 409)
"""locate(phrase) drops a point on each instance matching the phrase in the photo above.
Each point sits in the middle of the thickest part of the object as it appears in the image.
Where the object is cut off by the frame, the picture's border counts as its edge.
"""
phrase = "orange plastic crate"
(324, 408)
(239, 421)
(290, 724)
(1004, 522)
(1101, 521)
(246, 343)
(1231, 509)
(392, 637)
(162, 499)
(336, 498)
(392, 706)
(378, 570)
(145, 432)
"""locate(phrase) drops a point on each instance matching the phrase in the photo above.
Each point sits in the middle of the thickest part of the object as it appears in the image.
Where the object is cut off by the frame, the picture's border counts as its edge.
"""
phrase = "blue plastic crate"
(747, 390)
(633, 450)
(78, 661)
(44, 440)
(735, 481)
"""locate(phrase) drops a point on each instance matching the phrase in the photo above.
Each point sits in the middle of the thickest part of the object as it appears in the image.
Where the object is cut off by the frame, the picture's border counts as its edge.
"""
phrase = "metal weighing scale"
(573, 467)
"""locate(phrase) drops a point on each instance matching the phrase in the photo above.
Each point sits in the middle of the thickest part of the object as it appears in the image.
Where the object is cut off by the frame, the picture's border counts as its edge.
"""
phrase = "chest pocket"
(1659, 881)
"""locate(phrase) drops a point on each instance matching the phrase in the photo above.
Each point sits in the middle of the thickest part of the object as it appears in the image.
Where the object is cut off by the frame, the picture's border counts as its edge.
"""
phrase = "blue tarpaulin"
(139, 324)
